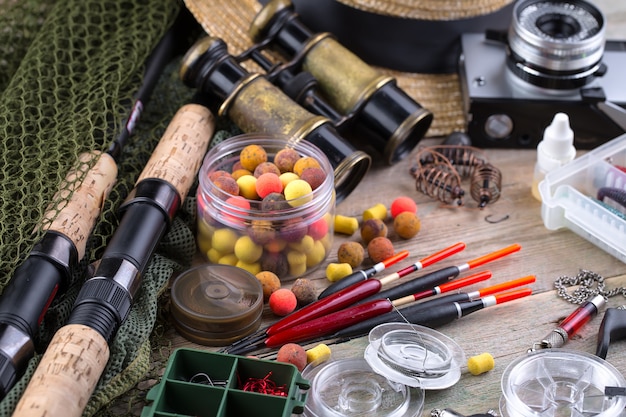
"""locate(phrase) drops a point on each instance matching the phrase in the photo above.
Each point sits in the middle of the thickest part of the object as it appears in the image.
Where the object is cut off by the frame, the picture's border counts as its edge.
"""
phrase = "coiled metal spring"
(440, 170)
(485, 184)
(437, 178)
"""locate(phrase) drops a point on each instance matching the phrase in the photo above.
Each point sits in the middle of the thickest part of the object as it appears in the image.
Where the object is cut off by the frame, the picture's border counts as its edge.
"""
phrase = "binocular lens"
(392, 123)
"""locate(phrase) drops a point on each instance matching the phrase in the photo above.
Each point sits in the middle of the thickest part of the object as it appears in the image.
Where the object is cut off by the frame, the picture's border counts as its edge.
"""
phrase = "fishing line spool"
(414, 355)
(215, 304)
(560, 382)
(400, 363)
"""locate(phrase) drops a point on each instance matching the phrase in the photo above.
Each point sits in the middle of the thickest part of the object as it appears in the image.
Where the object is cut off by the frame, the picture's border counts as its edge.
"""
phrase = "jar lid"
(349, 387)
(215, 305)
(414, 355)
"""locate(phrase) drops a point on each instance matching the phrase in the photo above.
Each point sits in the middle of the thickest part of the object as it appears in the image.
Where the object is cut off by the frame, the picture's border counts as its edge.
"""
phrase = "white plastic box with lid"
(569, 197)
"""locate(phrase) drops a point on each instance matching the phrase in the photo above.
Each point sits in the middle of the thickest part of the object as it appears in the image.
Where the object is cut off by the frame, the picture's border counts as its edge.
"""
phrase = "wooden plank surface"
(505, 331)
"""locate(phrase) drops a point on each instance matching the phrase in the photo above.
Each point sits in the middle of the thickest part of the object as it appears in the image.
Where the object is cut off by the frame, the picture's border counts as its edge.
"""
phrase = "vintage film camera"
(553, 59)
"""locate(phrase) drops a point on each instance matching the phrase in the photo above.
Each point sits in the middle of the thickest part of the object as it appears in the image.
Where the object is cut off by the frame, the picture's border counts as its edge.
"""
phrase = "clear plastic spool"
(560, 383)
(414, 355)
(349, 387)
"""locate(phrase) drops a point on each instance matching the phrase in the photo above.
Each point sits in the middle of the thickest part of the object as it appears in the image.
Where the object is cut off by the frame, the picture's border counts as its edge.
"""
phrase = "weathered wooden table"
(508, 330)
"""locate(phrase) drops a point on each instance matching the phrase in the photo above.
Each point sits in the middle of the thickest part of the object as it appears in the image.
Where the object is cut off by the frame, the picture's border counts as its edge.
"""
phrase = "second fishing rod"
(78, 353)
(67, 224)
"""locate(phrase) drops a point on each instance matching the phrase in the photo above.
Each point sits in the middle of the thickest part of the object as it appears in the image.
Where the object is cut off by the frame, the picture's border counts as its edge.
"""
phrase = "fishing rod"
(440, 276)
(346, 317)
(333, 302)
(79, 351)
(47, 271)
(435, 317)
(419, 265)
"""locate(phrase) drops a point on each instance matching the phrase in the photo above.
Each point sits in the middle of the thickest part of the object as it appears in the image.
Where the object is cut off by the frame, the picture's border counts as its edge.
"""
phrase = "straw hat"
(406, 28)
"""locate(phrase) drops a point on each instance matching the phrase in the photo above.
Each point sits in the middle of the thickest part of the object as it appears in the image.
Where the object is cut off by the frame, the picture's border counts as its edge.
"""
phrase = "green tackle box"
(207, 384)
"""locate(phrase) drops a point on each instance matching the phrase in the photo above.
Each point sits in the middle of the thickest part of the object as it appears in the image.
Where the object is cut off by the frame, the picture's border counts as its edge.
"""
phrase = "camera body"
(553, 59)
(504, 111)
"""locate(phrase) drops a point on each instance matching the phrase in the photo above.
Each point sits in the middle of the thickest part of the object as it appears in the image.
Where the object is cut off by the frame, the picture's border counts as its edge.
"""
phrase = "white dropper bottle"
(555, 149)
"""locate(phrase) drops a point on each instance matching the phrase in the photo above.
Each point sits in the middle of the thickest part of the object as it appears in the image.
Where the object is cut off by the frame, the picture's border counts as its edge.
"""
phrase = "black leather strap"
(410, 45)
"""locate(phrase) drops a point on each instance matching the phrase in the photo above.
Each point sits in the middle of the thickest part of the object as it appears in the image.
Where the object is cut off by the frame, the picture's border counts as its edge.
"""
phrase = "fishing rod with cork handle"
(79, 351)
(47, 271)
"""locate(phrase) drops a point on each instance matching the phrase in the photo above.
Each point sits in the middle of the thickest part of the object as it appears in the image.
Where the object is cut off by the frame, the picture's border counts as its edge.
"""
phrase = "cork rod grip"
(178, 156)
(81, 204)
(75, 359)
(67, 374)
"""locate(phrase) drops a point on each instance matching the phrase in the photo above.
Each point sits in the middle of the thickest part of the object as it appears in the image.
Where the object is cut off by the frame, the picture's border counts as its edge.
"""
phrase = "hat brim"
(439, 93)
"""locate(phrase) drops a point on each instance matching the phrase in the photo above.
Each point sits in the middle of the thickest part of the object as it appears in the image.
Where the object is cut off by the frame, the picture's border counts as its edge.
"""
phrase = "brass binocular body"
(323, 94)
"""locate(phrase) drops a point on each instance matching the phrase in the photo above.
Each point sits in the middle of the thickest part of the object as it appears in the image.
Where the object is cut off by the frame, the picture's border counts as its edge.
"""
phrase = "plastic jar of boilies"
(289, 232)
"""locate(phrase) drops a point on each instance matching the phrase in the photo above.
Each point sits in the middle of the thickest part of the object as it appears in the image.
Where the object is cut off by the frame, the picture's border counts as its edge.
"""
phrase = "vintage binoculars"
(382, 115)
(254, 104)
(352, 101)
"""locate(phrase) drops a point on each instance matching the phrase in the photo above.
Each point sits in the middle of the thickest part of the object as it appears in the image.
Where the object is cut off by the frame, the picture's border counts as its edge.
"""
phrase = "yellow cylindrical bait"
(346, 225)
(480, 364)
(318, 354)
(336, 271)
(379, 211)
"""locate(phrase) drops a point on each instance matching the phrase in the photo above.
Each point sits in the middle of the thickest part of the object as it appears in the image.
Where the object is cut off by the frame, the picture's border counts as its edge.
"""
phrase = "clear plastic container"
(289, 238)
(569, 197)
(559, 383)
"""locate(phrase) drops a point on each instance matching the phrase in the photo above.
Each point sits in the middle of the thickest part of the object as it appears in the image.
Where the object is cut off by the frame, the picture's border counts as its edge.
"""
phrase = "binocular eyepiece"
(254, 104)
(385, 117)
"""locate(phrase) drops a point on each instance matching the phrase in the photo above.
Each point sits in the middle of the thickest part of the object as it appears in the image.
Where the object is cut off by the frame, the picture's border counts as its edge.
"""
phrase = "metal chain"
(586, 280)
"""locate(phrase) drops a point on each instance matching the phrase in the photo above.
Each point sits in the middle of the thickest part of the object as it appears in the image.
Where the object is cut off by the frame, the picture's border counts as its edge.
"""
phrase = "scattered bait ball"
(379, 249)
(406, 224)
(305, 292)
(269, 282)
(351, 253)
(294, 354)
(402, 204)
(373, 228)
(283, 302)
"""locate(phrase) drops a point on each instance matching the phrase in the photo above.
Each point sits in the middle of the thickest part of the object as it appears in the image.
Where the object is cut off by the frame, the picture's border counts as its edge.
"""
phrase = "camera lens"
(556, 44)
(558, 26)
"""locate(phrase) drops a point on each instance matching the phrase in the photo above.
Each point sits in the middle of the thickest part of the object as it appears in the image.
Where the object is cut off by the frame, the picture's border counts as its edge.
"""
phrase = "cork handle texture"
(67, 374)
(178, 155)
(76, 357)
(82, 204)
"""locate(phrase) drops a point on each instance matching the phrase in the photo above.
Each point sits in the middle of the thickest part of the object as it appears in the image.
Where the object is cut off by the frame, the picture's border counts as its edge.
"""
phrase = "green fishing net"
(68, 73)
